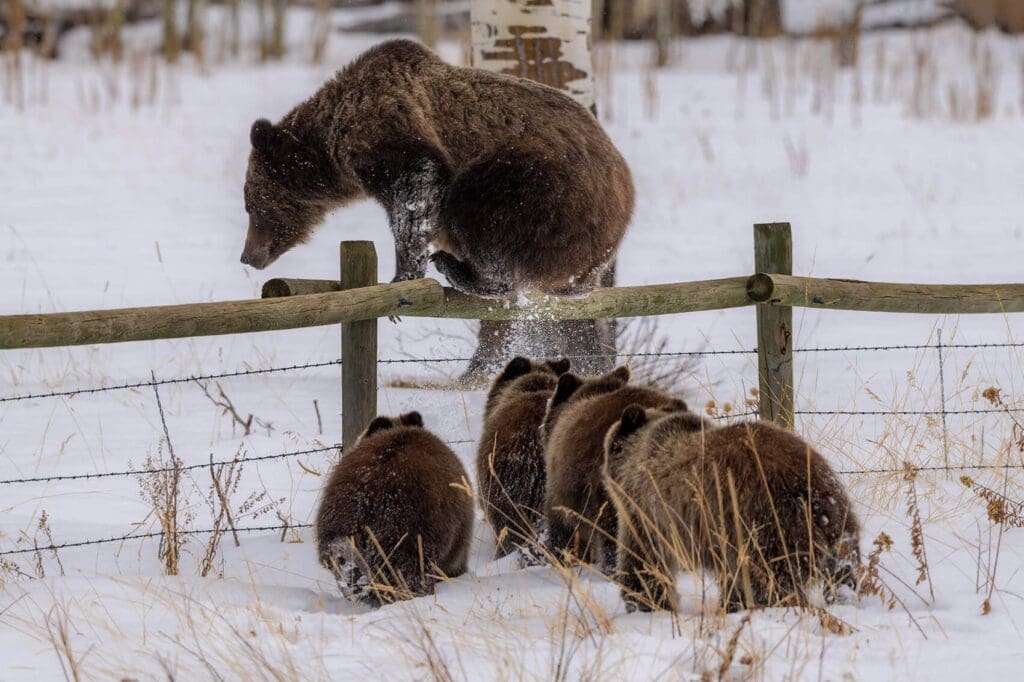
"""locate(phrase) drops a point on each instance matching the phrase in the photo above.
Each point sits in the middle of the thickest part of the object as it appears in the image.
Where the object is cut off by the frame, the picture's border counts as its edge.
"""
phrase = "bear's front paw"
(443, 260)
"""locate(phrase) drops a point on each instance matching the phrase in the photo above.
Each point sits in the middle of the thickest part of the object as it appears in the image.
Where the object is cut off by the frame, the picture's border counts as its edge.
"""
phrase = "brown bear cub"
(510, 472)
(394, 515)
(580, 519)
(514, 184)
(752, 503)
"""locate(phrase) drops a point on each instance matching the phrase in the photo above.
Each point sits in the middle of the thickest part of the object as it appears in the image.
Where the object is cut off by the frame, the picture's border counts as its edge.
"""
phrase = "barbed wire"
(591, 356)
(164, 382)
(894, 347)
(299, 526)
(144, 536)
(188, 467)
(160, 470)
(388, 361)
(905, 413)
(952, 467)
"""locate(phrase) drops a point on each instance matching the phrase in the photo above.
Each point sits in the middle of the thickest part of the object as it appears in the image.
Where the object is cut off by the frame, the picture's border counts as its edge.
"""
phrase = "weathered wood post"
(773, 254)
(358, 346)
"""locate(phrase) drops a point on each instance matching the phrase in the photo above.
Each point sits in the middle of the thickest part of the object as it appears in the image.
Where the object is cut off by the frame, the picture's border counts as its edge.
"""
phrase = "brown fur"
(730, 500)
(514, 182)
(580, 519)
(510, 471)
(396, 491)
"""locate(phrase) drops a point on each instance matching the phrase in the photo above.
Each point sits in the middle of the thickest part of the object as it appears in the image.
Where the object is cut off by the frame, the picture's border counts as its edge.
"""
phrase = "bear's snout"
(255, 261)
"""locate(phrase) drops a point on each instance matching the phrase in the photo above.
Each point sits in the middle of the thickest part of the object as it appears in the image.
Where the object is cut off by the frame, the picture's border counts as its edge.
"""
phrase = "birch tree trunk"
(548, 41)
(545, 40)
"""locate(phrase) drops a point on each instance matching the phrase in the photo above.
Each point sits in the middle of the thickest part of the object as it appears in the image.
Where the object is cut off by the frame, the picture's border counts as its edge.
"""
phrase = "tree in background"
(547, 41)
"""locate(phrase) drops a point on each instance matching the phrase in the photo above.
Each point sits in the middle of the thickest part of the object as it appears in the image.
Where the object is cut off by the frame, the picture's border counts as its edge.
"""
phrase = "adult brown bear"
(513, 184)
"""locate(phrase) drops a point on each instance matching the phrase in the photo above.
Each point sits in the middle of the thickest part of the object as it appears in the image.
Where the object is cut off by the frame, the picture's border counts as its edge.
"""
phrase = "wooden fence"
(356, 301)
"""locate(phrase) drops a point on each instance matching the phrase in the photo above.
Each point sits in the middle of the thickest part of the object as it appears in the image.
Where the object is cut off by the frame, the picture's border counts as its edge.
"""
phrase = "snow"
(122, 187)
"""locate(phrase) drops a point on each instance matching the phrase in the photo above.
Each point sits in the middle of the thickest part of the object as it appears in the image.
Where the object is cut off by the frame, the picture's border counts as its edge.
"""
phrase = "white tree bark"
(544, 40)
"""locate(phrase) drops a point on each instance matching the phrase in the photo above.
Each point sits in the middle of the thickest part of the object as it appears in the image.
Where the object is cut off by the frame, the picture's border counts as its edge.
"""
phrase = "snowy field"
(121, 186)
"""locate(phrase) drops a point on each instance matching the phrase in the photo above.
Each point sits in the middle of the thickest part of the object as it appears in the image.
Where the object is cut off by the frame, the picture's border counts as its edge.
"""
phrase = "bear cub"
(393, 514)
(580, 519)
(510, 471)
(751, 503)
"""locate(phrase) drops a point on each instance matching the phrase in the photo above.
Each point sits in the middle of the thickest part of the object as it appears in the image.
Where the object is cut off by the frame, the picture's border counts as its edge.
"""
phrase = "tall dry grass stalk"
(917, 529)
(43, 526)
(58, 631)
(871, 583)
(161, 489)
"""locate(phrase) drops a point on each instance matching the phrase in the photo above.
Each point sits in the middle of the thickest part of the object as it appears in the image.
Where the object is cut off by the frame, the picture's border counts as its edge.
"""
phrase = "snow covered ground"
(121, 186)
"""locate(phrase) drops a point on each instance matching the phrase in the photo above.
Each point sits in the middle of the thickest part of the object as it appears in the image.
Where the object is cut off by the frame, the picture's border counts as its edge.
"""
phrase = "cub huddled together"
(392, 517)
(592, 469)
(510, 469)
(751, 503)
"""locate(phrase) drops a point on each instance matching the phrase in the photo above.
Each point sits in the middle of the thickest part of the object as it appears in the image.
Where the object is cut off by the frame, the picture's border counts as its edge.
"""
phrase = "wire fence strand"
(442, 360)
(145, 536)
(160, 470)
(164, 382)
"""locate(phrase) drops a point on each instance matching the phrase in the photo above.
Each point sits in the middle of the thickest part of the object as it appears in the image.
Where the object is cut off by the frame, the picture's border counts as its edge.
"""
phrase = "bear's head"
(661, 425)
(572, 388)
(290, 185)
(413, 419)
(522, 375)
(633, 419)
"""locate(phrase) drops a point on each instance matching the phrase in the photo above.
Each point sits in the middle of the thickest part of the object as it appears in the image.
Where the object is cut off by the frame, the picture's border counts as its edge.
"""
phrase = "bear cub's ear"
(560, 366)
(517, 367)
(379, 424)
(567, 385)
(633, 419)
(261, 135)
(412, 419)
(676, 405)
(620, 374)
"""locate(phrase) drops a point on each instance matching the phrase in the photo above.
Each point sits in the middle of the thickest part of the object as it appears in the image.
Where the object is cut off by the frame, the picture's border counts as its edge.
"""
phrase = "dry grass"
(161, 489)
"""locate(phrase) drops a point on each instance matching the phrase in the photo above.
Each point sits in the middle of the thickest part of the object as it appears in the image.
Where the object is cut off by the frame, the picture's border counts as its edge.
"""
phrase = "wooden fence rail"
(353, 300)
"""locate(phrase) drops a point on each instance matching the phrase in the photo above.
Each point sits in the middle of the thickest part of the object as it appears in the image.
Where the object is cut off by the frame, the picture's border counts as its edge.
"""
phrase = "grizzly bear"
(395, 513)
(750, 502)
(580, 519)
(513, 184)
(510, 457)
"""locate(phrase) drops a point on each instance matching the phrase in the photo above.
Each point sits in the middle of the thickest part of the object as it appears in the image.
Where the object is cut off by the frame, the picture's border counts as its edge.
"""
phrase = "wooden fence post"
(358, 346)
(773, 254)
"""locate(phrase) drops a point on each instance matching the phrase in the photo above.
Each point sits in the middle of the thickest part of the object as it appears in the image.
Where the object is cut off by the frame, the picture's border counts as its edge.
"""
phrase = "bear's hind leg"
(468, 279)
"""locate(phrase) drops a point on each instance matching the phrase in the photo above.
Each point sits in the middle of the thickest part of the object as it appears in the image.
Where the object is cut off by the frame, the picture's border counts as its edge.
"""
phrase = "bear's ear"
(567, 385)
(676, 405)
(560, 366)
(261, 135)
(516, 368)
(633, 419)
(378, 424)
(688, 421)
(273, 142)
(412, 419)
(620, 375)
